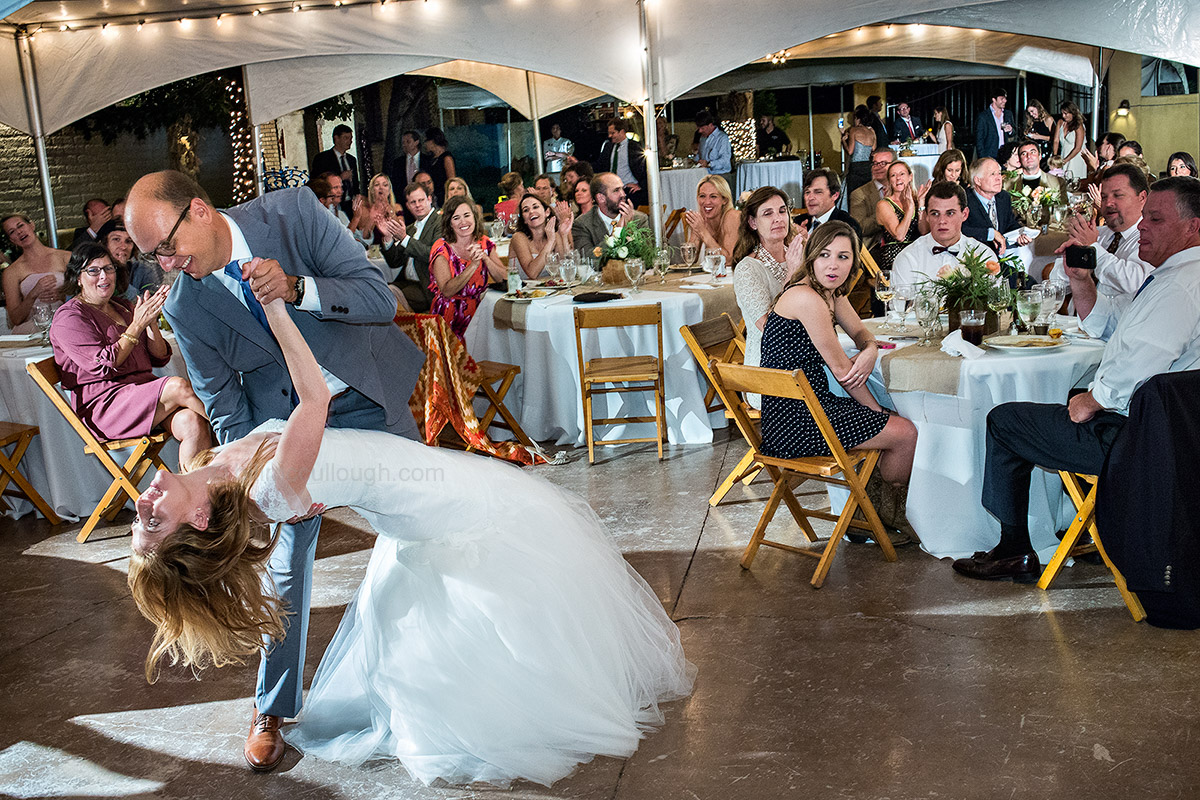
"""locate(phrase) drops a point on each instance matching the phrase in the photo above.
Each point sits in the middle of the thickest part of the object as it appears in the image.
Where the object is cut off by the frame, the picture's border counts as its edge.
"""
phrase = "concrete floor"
(893, 681)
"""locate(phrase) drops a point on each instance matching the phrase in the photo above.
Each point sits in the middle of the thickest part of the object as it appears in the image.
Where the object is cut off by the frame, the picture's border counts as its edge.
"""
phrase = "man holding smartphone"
(1153, 330)
(1119, 268)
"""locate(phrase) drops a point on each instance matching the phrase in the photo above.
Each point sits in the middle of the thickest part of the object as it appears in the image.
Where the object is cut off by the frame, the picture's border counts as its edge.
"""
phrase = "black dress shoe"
(1022, 568)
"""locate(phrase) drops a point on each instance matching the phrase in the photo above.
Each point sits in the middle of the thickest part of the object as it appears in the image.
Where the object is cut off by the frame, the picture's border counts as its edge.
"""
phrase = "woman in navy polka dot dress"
(800, 334)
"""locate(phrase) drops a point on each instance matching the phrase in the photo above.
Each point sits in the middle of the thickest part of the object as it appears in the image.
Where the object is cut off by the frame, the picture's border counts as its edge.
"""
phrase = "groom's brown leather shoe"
(264, 746)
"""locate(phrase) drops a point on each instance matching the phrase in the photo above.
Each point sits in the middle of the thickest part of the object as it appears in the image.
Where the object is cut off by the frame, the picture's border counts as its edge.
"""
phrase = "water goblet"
(1029, 305)
(633, 271)
(567, 268)
(553, 265)
(898, 307)
(690, 253)
(662, 263)
(43, 315)
(1000, 298)
(928, 308)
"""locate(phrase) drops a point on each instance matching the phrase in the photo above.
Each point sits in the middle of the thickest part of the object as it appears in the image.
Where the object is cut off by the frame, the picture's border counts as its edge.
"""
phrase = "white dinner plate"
(1025, 344)
(526, 297)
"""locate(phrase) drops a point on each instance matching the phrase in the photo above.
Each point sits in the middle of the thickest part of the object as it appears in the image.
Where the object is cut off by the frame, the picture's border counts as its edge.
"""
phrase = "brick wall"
(81, 168)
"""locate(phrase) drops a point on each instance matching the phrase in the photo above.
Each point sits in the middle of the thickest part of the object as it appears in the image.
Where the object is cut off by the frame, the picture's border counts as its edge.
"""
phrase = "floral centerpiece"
(1030, 204)
(968, 284)
(633, 240)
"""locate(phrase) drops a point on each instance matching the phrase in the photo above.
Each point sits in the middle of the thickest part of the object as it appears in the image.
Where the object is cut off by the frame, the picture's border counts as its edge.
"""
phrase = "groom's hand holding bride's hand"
(315, 510)
(268, 281)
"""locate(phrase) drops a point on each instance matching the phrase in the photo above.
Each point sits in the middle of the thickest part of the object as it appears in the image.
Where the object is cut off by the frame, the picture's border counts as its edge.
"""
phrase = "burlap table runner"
(920, 369)
(507, 315)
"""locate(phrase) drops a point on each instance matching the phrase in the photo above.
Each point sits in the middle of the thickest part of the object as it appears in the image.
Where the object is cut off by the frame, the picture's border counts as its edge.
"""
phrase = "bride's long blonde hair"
(204, 589)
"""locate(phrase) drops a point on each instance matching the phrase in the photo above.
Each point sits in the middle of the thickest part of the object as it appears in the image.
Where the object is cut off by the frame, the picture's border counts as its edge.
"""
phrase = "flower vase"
(613, 273)
(990, 326)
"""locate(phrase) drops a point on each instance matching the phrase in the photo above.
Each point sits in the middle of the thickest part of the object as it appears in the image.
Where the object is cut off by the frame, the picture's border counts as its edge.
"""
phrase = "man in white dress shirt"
(1119, 268)
(557, 148)
(945, 211)
(1151, 331)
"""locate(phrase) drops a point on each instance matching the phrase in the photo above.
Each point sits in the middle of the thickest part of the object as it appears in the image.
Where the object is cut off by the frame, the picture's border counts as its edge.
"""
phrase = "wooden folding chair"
(851, 469)
(1085, 519)
(497, 380)
(720, 339)
(621, 374)
(145, 450)
(15, 433)
(672, 222)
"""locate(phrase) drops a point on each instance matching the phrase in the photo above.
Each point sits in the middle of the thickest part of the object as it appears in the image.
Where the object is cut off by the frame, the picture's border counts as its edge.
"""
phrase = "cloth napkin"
(956, 346)
(687, 285)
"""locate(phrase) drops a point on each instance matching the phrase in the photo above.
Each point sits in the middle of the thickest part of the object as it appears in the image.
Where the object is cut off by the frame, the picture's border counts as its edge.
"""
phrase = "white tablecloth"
(922, 167)
(545, 397)
(785, 175)
(678, 186)
(71, 481)
(944, 504)
(921, 149)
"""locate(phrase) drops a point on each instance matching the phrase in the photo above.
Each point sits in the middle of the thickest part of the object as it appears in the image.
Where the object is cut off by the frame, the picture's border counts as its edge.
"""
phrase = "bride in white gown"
(497, 634)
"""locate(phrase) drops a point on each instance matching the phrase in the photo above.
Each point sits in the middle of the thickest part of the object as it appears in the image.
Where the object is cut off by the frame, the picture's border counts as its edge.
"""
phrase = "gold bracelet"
(132, 339)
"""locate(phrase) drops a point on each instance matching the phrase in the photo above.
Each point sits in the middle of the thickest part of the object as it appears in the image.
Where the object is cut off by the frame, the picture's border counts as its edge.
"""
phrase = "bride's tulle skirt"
(516, 646)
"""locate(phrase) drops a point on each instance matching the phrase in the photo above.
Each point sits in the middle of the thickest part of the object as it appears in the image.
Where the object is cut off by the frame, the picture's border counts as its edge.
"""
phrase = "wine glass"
(43, 315)
(928, 307)
(553, 265)
(633, 270)
(999, 297)
(884, 292)
(690, 253)
(1050, 303)
(662, 263)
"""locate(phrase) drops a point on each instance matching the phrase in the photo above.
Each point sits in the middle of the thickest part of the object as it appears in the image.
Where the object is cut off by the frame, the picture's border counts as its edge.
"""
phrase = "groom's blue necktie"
(234, 270)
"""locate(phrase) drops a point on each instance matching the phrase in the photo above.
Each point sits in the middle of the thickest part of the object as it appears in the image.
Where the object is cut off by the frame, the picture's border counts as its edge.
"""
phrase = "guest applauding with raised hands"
(715, 226)
(539, 233)
(461, 263)
(897, 213)
(106, 347)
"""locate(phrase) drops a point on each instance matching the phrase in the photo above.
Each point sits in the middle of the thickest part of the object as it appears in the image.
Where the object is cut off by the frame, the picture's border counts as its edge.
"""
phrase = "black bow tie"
(938, 249)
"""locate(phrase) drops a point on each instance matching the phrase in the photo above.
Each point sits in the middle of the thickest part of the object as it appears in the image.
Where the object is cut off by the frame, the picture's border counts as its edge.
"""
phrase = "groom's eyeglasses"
(166, 248)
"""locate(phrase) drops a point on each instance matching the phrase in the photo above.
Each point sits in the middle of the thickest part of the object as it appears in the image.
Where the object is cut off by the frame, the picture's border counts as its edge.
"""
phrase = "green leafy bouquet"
(634, 240)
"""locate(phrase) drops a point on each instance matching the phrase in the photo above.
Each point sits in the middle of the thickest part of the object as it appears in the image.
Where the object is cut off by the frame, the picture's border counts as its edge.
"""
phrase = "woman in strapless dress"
(36, 275)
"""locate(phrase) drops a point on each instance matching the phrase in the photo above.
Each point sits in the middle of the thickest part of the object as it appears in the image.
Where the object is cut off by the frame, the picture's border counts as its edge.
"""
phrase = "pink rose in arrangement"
(947, 270)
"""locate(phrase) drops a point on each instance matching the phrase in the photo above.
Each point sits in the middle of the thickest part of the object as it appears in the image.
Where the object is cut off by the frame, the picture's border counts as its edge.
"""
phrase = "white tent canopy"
(64, 65)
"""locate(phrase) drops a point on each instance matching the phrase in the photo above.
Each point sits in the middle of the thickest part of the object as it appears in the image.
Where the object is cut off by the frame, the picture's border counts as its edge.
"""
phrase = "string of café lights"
(138, 22)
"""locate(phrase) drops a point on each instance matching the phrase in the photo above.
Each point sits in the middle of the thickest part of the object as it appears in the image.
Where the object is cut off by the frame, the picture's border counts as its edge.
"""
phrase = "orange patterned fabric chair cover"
(446, 388)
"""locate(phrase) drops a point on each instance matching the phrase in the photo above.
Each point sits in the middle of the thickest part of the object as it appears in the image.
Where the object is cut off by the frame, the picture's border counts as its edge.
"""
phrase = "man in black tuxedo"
(906, 125)
(994, 126)
(875, 106)
(626, 159)
(991, 213)
(338, 160)
(821, 192)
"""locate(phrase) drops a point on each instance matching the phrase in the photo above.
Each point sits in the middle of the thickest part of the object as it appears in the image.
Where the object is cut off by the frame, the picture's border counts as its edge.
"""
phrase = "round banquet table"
(71, 481)
(944, 493)
(785, 175)
(545, 397)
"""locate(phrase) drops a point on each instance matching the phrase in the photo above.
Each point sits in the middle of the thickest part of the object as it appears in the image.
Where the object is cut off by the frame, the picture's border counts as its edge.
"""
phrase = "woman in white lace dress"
(497, 635)
(768, 252)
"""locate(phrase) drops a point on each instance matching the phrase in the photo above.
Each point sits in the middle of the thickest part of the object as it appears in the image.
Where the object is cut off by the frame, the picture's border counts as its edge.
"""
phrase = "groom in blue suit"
(282, 245)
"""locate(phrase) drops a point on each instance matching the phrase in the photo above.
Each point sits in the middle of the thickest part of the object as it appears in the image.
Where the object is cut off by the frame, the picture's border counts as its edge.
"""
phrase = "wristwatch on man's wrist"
(298, 288)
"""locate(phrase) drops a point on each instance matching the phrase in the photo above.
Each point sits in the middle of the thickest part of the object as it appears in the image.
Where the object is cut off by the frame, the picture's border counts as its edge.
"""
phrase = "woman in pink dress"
(105, 350)
(460, 265)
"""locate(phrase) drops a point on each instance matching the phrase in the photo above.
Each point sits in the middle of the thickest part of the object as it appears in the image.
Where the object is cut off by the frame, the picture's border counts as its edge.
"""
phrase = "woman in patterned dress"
(800, 335)
(461, 264)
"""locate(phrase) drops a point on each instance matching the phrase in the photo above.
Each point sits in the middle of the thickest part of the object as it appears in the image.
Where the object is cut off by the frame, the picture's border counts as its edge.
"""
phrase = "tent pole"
(33, 105)
(537, 131)
(1096, 95)
(651, 144)
(672, 116)
(508, 139)
(812, 156)
(842, 115)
